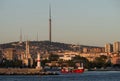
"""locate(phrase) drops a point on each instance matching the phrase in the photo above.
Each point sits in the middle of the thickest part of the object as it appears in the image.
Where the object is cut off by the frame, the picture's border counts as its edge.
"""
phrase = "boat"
(79, 69)
(65, 70)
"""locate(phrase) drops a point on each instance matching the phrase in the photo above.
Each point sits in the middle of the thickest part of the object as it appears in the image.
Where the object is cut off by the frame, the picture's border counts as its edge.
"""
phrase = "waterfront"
(86, 76)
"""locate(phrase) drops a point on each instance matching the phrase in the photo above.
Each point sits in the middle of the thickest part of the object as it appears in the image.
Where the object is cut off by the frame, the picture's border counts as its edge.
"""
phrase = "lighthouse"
(38, 62)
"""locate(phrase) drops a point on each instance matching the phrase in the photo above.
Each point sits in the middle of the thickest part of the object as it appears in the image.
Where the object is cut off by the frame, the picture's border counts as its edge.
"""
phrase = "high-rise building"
(116, 47)
(108, 48)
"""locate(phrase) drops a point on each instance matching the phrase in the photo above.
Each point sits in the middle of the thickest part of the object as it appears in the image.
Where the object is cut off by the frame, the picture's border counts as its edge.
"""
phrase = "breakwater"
(24, 71)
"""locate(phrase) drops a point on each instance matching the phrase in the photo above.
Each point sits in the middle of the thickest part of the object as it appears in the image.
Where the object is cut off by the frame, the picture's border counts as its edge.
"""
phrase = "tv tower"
(50, 24)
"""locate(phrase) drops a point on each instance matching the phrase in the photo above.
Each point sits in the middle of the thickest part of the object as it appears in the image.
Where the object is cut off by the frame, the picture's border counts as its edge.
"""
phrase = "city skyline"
(87, 22)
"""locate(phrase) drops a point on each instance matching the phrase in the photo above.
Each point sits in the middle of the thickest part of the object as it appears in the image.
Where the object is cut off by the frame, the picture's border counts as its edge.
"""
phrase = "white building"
(115, 59)
(67, 55)
(116, 47)
(108, 48)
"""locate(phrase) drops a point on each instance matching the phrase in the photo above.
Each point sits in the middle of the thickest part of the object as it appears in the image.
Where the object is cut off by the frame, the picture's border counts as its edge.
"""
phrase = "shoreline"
(34, 71)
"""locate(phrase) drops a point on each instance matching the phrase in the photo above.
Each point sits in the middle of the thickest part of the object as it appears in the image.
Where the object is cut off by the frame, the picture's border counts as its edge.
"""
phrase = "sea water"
(86, 76)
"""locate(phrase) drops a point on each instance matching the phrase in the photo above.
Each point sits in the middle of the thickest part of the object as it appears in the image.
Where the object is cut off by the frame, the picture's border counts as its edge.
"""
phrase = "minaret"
(20, 36)
(50, 24)
(25, 60)
(28, 61)
(37, 36)
(28, 56)
(27, 50)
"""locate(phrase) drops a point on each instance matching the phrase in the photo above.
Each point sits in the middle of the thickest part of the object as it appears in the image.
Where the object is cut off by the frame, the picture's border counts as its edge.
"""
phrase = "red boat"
(79, 69)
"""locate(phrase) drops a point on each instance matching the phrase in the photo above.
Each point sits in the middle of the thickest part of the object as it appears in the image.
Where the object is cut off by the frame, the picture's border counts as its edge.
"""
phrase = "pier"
(24, 71)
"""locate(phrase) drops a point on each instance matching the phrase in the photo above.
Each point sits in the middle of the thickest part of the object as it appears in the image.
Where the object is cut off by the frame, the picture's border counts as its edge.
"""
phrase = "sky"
(86, 22)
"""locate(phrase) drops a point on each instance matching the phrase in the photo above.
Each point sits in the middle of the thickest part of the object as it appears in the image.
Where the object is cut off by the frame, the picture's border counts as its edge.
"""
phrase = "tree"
(53, 57)
(43, 62)
(80, 59)
(100, 61)
(11, 63)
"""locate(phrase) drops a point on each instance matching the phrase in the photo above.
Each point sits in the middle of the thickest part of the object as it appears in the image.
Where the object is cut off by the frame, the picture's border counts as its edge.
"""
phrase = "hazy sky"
(88, 22)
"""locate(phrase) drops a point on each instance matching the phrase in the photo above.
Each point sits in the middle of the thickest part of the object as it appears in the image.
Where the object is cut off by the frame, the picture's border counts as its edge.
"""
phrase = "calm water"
(87, 76)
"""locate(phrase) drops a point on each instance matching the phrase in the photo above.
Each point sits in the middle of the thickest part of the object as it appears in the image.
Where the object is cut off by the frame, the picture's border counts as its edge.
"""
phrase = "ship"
(79, 69)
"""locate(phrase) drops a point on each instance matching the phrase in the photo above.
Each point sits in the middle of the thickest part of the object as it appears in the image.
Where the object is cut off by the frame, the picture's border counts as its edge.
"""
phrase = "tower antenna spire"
(50, 24)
